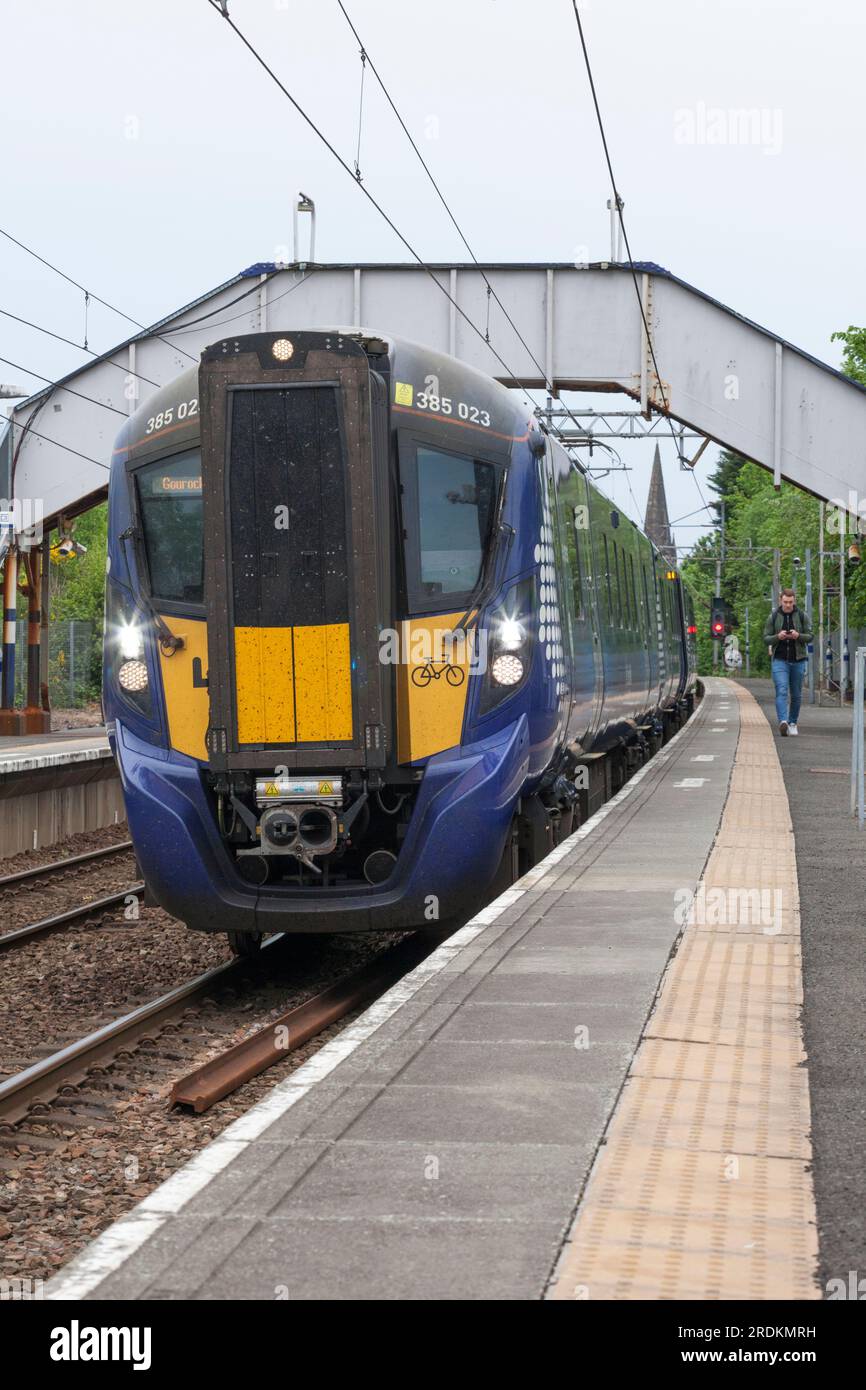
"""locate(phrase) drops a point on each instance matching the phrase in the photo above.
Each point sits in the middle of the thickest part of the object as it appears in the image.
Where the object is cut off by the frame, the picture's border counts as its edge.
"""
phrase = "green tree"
(76, 589)
(758, 520)
(724, 482)
(854, 354)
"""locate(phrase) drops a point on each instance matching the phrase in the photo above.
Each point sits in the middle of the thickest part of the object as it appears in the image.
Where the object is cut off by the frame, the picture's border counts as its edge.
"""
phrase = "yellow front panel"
(264, 685)
(323, 683)
(184, 674)
(431, 687)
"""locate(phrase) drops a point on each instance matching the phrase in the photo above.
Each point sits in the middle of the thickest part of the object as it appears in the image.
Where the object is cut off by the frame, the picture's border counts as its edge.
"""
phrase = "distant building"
(657, 524)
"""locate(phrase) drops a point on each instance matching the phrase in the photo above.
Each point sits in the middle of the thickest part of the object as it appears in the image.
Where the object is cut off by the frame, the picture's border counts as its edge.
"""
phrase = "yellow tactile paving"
(702, 1189)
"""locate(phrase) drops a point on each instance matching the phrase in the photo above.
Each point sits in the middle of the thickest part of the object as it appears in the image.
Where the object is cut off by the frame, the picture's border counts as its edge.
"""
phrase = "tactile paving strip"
(702, 1188)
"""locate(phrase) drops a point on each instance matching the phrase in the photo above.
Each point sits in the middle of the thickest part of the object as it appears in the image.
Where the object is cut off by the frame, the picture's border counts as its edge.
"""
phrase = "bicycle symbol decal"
(423, 675)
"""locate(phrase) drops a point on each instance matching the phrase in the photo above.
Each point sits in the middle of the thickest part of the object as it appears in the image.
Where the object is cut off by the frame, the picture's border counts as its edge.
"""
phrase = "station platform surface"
(831, 864)
(594, 1090)
(59, 749)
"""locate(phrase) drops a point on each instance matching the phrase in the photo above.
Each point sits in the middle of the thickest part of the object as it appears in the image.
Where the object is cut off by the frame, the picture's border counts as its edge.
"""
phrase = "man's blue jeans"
(788, 680)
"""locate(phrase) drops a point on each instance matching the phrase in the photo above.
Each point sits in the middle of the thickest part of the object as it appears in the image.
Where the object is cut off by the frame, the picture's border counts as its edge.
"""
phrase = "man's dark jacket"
(784, 622)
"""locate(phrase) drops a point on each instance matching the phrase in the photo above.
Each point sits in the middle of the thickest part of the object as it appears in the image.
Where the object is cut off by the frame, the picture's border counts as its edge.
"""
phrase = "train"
(375, 642)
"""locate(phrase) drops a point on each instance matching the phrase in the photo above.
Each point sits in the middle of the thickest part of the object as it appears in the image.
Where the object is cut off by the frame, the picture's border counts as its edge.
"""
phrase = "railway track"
(28, 1094)
(217, 1078)
(19, 935)
(42, 1082)
(41, 875)
(56, 865)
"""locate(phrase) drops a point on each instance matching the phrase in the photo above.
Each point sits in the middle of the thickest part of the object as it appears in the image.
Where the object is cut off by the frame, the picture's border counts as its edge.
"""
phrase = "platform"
(594, 1090)
(56, 785)
(29, 753)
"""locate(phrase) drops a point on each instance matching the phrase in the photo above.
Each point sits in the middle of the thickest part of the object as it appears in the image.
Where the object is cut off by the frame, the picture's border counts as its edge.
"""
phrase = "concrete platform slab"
(437, 1148)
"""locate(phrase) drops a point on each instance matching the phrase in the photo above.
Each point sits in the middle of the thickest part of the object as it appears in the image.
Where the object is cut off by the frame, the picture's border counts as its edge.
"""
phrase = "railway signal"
(721, 619)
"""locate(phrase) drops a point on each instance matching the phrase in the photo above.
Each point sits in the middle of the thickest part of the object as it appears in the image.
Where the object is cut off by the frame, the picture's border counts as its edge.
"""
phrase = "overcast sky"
(149, 157)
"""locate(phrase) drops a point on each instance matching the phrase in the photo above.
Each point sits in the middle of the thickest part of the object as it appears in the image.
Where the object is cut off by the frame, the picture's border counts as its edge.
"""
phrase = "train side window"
(626, 595)
(635, 604)
(570, 521)
(630, 605)
(578, 571)
(607, 578)
(618, 586)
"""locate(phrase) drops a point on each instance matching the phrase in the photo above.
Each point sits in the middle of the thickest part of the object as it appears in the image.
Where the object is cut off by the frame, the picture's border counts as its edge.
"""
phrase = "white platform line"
(121, 1240)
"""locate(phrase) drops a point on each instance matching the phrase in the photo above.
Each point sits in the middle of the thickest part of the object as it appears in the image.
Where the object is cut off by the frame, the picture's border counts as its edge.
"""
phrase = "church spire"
(657, 525)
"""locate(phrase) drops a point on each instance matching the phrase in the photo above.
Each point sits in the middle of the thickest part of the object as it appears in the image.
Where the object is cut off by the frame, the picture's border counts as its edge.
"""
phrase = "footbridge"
(559, 326)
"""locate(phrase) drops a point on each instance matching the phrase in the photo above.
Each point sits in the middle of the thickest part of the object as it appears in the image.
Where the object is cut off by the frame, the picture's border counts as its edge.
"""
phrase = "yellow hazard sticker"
(271, 789)
(403, 393)
(326, 789)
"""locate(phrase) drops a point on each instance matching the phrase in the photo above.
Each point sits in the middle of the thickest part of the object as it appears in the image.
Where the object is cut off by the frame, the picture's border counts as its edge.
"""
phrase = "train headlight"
(125, 670)
(510, 642)
(509, 636)
(132, 676)
(282, 349)
(130, 641)
(507, 670)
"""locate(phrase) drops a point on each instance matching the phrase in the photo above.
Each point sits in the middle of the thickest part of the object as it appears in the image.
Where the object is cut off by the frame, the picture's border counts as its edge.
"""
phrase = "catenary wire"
(28, 371)
(60, 339)
(223, 12)
(618, 204)
(86, 292)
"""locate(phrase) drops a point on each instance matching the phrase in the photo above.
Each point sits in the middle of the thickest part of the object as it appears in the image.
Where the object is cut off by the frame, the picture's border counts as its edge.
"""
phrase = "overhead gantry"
(559, 327)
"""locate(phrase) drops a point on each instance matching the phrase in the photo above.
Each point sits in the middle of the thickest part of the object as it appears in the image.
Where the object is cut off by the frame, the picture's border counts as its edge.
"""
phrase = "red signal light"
(691, 629)
(719, 629)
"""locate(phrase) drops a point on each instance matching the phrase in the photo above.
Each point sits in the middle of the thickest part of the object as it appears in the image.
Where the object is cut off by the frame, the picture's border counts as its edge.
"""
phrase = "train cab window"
(449, 501)
(170, 507)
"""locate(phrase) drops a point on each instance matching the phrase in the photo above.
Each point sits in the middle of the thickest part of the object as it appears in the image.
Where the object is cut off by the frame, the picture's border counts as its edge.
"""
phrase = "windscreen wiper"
(490, 583)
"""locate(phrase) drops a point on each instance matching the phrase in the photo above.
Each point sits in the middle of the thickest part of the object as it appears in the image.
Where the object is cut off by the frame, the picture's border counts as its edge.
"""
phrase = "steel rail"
(56, 864)
(202, 1088)
(41, 1082)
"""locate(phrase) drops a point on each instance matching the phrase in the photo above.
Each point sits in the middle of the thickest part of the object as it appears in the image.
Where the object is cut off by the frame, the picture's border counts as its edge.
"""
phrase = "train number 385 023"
(443, 405)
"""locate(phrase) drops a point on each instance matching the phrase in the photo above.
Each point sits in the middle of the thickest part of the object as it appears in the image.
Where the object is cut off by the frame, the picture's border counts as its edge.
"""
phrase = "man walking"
(786, 632)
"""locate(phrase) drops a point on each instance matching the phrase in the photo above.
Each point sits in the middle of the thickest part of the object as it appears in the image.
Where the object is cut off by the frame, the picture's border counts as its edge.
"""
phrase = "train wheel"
(246, 945)
(509, 864)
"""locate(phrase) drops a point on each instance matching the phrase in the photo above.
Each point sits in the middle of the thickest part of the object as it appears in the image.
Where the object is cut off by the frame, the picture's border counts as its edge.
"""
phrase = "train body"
(372, 637)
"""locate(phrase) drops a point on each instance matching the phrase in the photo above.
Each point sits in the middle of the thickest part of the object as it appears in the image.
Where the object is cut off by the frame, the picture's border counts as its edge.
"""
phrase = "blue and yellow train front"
(320, 664)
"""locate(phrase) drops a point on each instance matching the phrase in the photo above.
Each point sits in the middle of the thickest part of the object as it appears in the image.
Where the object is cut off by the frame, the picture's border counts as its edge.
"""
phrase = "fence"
(74, 663)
